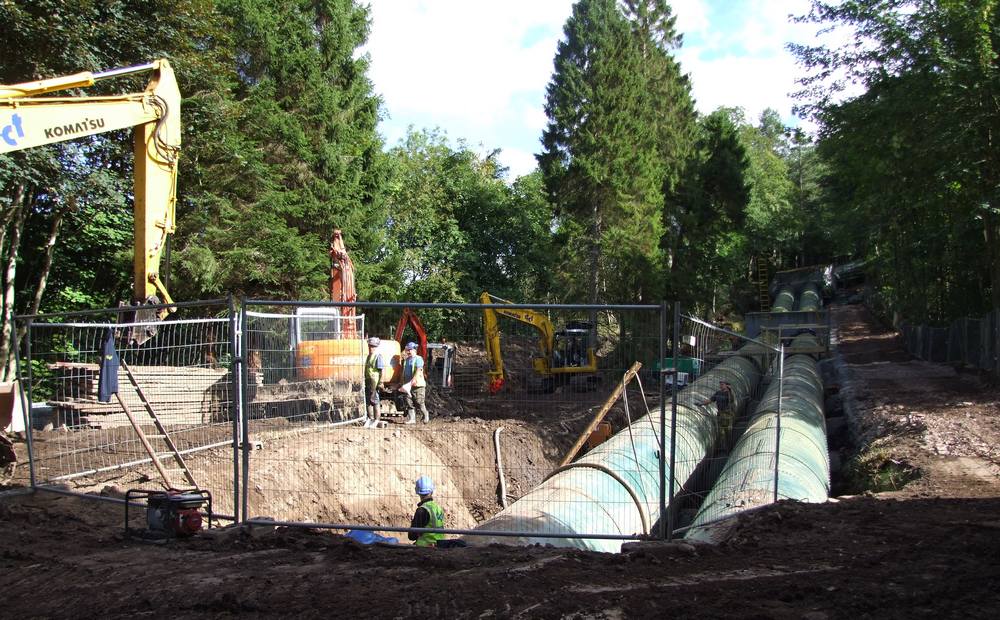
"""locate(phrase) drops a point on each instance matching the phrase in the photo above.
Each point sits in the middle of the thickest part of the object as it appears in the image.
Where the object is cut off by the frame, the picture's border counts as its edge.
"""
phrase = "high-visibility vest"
(430, 539)
(372, 372)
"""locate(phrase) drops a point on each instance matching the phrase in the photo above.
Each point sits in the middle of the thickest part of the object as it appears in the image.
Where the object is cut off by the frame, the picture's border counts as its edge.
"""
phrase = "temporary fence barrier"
(972, 342)
(321, 460)
(266, 408)
(120, 414)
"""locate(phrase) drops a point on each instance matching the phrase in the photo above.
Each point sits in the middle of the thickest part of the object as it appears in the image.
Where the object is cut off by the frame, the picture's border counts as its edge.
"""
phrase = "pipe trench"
(803, 465)
(615, 488)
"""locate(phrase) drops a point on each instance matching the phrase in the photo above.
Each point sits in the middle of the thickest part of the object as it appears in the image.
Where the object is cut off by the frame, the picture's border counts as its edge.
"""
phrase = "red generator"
(170, 514)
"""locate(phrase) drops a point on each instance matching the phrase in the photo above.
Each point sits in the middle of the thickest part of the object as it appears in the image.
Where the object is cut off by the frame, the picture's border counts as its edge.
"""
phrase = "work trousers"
(414, 401)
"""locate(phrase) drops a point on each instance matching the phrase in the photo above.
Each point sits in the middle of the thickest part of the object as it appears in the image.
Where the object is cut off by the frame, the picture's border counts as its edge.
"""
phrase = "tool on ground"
(171, 513)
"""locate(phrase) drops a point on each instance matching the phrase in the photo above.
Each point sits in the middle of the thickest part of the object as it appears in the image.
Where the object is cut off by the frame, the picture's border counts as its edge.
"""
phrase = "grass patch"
(874, 470)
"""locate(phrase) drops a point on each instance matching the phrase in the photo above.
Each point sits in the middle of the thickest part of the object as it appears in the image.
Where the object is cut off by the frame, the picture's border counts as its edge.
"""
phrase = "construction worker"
(428, 514)
(413, 384)
(724, 407)
(373, 375)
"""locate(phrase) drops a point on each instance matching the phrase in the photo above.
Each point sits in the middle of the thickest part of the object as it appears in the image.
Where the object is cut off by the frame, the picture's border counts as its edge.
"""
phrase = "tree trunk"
(595, 253)
(595, 268)
(43, 277)
(8, 295)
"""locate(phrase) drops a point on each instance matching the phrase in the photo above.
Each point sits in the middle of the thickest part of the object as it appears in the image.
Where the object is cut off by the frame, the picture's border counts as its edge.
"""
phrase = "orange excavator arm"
(342, 280)
(409, 317)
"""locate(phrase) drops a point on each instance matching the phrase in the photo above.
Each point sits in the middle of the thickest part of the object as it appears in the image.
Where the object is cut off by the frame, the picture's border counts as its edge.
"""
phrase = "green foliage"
(291, 154)
(912, 164)
(710, 217)
(457, 228)
(611, 146)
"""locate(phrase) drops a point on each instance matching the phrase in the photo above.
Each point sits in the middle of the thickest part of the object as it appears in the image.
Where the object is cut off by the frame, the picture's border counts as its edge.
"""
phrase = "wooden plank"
(629, 375)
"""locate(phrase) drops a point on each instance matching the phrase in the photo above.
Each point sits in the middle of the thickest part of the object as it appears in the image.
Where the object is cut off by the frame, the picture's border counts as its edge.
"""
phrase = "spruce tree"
(620, 132)
(300, 152)
(598, 160)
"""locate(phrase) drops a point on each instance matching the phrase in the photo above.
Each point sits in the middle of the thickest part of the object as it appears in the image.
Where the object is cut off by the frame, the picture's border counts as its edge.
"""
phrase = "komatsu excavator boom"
(28, 120)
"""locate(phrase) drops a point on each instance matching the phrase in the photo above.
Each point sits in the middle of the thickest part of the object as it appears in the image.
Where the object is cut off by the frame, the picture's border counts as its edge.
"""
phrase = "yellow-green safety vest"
(430, 539)
(372, 373)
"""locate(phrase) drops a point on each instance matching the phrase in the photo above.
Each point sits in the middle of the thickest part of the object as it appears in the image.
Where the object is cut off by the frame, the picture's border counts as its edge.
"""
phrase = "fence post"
(671, 512)
(25, 394)
(781, 396)
(236, 385)
(244, 418)
(662, 351)
(996, 342)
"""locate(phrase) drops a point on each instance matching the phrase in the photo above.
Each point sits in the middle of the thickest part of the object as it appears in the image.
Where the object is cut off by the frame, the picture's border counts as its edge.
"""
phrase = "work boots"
(427, 417)
(374, 413)
(413, 416)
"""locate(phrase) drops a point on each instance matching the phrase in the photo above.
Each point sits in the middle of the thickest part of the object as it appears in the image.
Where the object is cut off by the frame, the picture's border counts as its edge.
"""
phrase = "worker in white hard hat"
(428, 514)
(413, 383)
(373, 376)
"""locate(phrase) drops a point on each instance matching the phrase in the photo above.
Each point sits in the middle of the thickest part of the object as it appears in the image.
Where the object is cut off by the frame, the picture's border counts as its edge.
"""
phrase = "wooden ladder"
(763, 294)
(172, 451)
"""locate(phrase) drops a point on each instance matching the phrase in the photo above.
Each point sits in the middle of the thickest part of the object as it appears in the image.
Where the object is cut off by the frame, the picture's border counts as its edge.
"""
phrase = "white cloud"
(743, 61)
(465, 66)
(478, 70)
(692, 16)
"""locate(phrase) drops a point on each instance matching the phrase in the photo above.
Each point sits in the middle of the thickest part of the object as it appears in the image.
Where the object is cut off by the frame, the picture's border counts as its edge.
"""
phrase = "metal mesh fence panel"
(315, 453)
(972, 349)
(713, 403)
(972, 342)
(955, 341)
(164, 421)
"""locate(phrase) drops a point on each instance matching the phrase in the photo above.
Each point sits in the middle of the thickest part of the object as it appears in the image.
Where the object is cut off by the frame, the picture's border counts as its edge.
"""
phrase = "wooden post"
(145, 442)
(629, 375)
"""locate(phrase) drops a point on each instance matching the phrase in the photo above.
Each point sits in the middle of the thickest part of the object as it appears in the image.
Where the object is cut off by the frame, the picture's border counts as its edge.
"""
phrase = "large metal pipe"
(810, 299)
(614, 488)
(784, 301)
(801, 461)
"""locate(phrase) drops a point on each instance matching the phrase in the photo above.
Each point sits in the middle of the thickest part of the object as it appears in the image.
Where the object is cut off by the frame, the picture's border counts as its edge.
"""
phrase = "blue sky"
(477, 70)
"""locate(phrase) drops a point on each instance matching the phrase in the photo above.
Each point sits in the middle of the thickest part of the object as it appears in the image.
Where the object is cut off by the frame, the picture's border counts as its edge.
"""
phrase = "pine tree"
(599, 161)
(299, 154)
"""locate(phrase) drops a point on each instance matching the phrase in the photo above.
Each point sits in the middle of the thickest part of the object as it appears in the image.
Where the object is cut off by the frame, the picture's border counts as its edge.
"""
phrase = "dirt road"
(928, 549)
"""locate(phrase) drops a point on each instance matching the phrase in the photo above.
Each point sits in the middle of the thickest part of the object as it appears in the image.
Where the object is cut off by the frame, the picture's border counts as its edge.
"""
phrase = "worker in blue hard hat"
(428, 514)
(413, 384)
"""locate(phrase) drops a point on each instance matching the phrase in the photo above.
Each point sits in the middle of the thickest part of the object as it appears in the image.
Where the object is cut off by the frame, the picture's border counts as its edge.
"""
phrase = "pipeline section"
(784, 301)
(810, 299)
(615, 488)
(803, 463)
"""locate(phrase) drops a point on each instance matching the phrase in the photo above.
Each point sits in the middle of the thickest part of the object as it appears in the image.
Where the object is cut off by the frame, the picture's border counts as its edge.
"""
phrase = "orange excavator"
(329, 342)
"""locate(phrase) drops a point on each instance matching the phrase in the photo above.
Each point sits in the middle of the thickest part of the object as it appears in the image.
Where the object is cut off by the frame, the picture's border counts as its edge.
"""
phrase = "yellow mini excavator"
(561, 354)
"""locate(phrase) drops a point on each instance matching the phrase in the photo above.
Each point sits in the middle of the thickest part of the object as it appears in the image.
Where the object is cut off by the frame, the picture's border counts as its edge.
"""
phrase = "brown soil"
(929, 548)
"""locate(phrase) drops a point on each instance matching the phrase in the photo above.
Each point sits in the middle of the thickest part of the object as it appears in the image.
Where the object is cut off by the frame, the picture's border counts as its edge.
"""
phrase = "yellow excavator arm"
(27, 120)
(491, 331)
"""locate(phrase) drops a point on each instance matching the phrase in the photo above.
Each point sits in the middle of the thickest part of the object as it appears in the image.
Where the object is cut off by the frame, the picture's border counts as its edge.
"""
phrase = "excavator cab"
(571, 346)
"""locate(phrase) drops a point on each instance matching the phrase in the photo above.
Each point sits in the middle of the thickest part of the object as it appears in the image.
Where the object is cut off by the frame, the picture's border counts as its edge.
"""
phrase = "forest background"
(637, 198)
